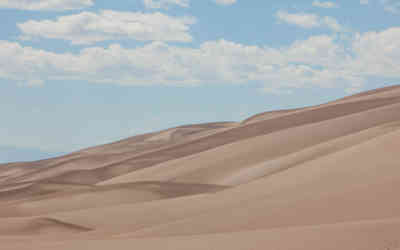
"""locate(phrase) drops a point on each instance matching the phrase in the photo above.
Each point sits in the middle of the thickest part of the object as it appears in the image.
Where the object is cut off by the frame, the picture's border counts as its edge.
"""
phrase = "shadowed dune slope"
(320, 177)
(39, 226)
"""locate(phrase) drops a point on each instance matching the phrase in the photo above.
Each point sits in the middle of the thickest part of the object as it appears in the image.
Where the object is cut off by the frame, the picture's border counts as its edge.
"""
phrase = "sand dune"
(97, 196)
(321, 177)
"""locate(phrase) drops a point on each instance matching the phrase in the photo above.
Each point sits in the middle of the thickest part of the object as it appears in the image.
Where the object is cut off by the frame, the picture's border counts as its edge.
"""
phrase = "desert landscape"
(320, 177)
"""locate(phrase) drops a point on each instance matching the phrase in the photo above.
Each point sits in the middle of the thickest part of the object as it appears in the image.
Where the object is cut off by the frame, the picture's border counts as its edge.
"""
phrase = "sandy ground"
(322, 177)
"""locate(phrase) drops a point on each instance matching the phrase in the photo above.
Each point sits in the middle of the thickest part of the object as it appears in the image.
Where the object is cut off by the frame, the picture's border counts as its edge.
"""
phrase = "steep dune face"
(321, 177)
(363, 191)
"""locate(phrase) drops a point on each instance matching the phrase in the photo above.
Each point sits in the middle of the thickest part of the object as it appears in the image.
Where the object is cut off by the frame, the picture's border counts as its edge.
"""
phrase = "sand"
(321, 177)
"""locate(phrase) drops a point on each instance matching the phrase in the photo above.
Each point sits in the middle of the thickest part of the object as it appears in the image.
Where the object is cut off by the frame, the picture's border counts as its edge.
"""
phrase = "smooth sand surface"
(321, 177)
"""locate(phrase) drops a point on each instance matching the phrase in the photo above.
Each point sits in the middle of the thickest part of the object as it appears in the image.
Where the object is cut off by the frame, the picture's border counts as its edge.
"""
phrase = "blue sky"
(77, 73)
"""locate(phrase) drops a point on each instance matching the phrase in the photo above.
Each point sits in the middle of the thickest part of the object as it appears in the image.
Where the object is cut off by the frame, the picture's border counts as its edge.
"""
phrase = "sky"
(79, 73)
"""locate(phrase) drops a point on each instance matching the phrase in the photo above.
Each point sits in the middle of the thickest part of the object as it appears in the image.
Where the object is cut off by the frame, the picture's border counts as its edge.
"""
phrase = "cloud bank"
(319, 61)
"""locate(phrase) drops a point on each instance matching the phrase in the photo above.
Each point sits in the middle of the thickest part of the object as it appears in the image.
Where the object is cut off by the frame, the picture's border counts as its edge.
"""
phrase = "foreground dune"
(321, 177)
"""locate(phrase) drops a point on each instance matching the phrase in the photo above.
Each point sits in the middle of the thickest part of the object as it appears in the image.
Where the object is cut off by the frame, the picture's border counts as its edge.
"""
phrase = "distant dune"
(320, 177)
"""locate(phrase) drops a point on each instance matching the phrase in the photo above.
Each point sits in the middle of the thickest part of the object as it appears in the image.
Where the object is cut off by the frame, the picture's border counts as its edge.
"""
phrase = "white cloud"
(327, 5)
(364, 2)
(54, 5)
(158, 4)
(321, 61)
(225, 2)
(392, 6)
(308, 21)
(89, 27)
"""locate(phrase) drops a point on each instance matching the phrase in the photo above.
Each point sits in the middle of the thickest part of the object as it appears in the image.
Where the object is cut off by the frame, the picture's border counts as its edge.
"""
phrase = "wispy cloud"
(364, 2)
(163, 4)
(392, 6)
(299, 19)
(308, 21)
(48, 5)
(90, 27)
(225, 2)
(326, 5)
